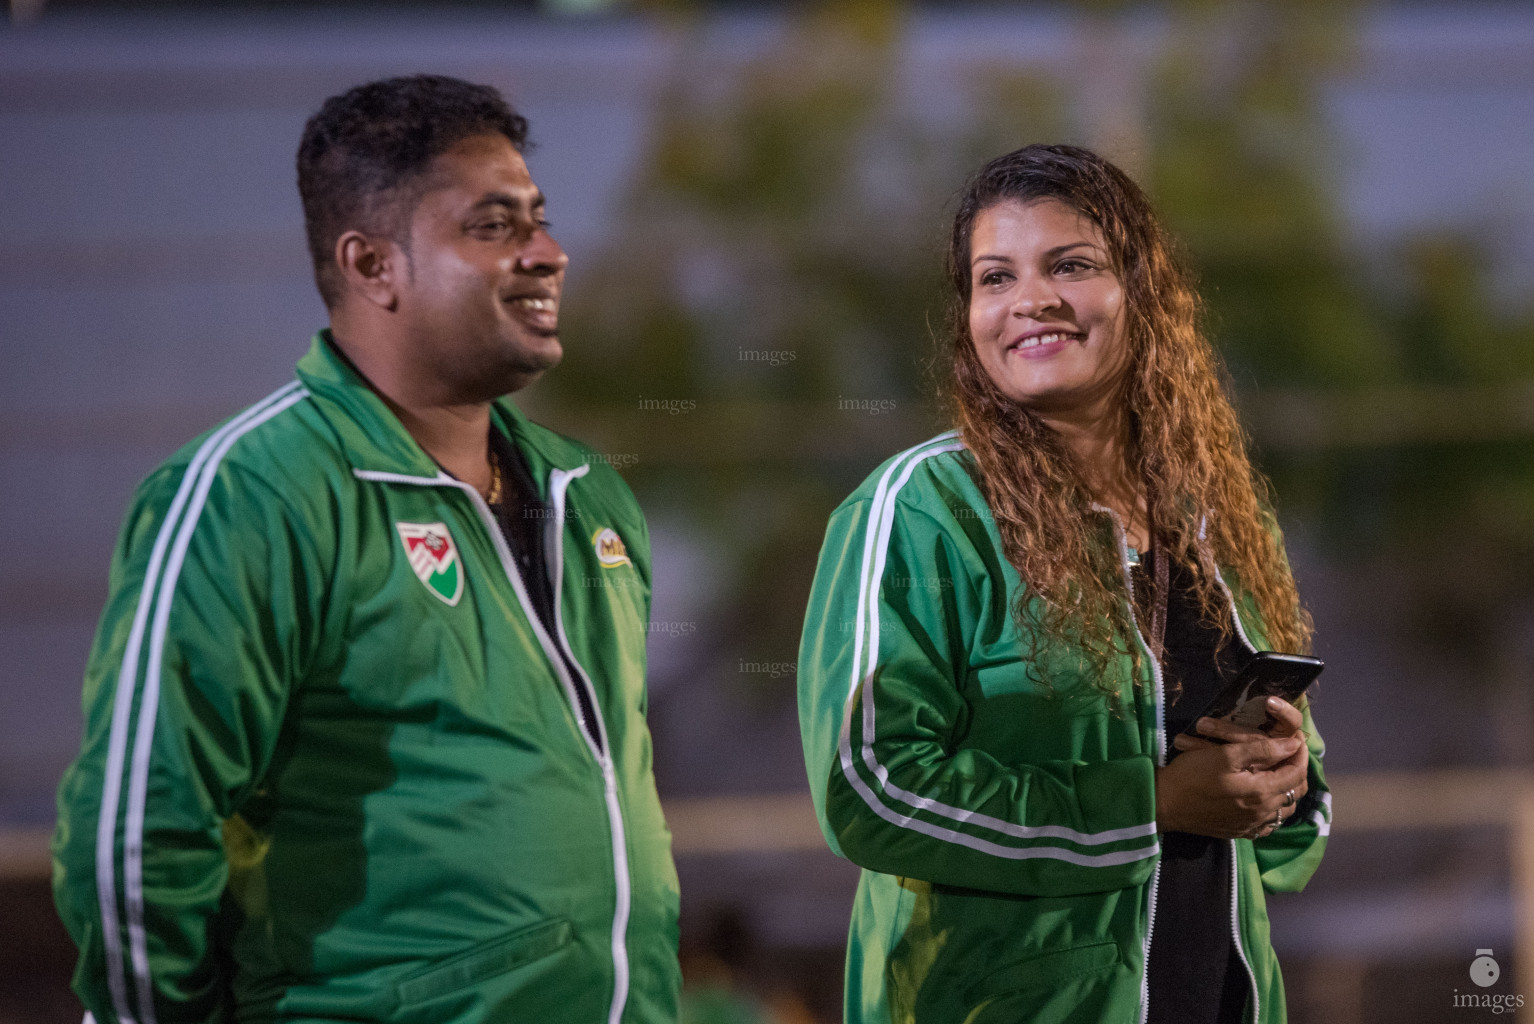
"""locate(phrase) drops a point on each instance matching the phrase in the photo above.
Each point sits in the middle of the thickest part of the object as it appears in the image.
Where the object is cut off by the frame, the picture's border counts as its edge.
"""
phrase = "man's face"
(481, 287)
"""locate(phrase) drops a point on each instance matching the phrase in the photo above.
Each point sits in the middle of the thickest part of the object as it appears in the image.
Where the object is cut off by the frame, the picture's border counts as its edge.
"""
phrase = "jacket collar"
(373, 438)
(1253, 630)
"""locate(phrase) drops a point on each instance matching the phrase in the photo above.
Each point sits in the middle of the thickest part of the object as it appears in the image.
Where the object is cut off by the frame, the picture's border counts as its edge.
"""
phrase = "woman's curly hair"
(1209, 507)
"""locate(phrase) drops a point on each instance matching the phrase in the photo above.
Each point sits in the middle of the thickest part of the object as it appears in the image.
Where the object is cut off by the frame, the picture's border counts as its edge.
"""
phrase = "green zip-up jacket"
(1002, 810)
(334, 769)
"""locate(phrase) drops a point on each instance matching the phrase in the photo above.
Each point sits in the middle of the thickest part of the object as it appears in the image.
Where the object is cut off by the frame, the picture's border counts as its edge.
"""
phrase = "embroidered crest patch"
(434, 557)
(610, 550)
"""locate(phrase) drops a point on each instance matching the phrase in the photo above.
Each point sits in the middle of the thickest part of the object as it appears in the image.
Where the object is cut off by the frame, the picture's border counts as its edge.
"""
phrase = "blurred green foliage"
(782, 255)
(779, 268)
(1417, 378)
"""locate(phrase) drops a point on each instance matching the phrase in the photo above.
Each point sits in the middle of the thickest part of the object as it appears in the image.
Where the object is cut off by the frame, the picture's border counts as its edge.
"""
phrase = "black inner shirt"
(523, 516)
(1196, 975)
(524, 519)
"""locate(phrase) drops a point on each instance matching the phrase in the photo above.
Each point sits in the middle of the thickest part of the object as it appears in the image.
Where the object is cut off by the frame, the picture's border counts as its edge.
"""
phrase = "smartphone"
(1268, 674)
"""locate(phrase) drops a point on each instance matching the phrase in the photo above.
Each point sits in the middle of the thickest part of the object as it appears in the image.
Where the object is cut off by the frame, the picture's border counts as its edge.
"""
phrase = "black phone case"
(1268, 674)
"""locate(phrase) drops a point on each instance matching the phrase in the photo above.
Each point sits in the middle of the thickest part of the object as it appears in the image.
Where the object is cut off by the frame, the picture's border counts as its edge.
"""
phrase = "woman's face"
(1046, 310)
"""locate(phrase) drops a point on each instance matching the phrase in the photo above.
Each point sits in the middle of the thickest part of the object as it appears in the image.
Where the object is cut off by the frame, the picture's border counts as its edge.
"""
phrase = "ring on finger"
(1289, 798)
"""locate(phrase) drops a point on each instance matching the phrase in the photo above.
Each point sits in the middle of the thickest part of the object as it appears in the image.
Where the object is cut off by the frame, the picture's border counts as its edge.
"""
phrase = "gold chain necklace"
(493, 496)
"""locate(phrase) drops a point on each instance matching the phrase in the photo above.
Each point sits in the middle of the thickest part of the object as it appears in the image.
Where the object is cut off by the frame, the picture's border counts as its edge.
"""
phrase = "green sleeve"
(214, 600)
(883, 659)
(1289, 855)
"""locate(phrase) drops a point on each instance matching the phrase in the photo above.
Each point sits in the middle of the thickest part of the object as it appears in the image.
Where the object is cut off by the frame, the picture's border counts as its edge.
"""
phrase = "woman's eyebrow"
(1057, 251)
(1061, 250)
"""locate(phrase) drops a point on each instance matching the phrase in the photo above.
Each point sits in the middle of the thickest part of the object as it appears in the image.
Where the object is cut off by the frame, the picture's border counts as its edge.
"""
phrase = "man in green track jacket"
(365, 734)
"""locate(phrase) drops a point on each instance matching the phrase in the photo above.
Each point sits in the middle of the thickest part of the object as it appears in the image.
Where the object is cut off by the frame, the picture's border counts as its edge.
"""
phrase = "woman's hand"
(1235, 790)
(1286, 718)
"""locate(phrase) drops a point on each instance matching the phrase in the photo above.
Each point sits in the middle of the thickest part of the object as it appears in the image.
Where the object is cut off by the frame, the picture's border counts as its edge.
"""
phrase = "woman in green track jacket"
(1010, 621)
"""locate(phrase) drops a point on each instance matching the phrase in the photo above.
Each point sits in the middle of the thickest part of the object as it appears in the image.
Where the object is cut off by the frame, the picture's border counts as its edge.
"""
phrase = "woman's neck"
(1100, 449)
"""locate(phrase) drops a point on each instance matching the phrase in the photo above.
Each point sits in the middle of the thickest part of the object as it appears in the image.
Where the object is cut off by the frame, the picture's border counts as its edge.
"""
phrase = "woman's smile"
(1041, 344)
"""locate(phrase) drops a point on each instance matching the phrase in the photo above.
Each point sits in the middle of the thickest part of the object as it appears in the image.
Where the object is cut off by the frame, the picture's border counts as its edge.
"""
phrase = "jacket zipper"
(1235, 887)
(1160, 737)
(596, 741)
(559, 481)
(1235, 860)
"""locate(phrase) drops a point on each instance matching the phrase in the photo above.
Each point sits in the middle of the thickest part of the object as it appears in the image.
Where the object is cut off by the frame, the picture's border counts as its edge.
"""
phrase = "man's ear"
(372, 266)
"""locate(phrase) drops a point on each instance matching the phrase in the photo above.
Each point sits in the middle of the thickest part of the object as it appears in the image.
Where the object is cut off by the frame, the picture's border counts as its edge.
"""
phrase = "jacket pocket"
(1047, 970)
(486, 961)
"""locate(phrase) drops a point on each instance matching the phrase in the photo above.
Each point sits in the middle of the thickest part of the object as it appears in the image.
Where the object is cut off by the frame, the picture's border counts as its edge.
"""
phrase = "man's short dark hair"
(365, 149)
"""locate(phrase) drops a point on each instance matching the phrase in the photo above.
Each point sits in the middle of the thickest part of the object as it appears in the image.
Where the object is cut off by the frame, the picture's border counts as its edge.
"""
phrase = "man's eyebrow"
(509, 200)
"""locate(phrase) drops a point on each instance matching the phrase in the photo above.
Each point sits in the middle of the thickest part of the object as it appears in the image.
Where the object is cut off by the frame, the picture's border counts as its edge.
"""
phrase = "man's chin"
(540, 349)
(550, 355)
(526, 370)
